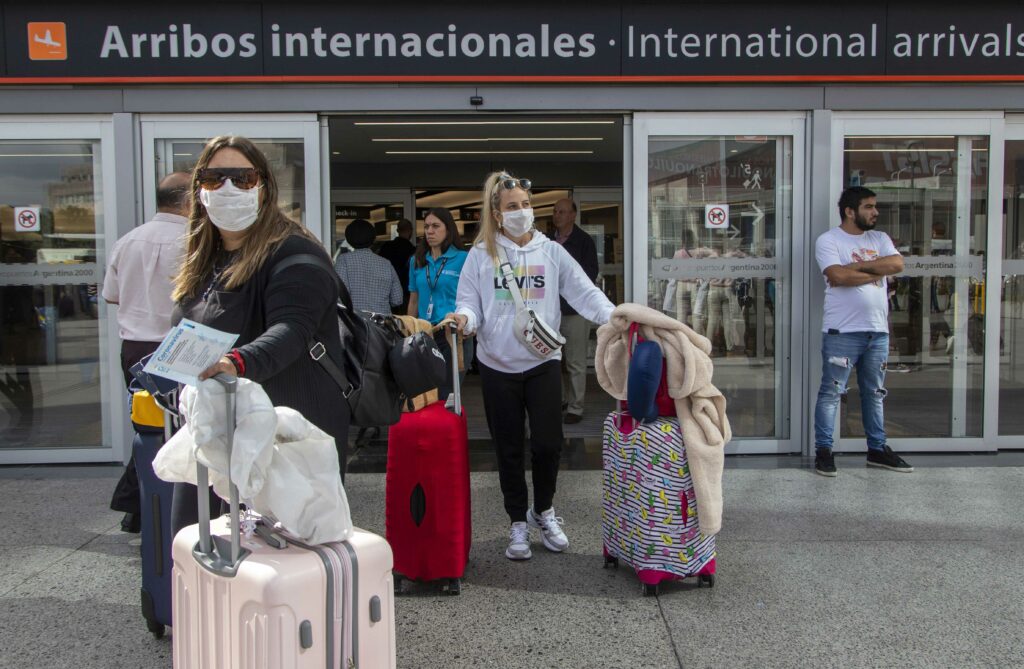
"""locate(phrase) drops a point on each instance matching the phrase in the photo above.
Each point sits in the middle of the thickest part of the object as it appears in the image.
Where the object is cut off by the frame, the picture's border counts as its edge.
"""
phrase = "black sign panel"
(611, 41)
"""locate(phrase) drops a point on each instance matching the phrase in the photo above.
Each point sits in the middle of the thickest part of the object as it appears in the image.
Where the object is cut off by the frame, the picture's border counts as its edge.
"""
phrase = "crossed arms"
(861, 273)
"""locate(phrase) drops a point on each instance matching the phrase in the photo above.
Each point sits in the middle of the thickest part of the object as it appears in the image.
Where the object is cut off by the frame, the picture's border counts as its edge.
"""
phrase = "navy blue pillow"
(643, 380)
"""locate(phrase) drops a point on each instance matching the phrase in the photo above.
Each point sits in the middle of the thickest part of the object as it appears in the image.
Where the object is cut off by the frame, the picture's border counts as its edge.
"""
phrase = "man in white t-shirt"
(855, 260)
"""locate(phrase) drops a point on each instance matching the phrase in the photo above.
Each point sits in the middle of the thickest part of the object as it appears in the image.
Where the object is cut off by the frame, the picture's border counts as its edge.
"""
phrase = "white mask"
(231, 208)
(517, 223)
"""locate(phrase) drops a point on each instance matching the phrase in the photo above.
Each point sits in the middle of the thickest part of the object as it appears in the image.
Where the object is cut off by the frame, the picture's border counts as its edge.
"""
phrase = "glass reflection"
(49, 316)
(932, 203)
(719, 214)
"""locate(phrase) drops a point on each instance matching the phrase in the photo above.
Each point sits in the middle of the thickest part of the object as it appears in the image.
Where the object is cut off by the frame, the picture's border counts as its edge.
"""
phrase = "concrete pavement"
(872, 569)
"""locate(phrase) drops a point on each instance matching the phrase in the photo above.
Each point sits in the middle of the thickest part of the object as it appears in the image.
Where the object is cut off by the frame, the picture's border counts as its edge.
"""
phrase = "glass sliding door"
(932, 182)
(56, 199)
(715, 215)
(1011, 321)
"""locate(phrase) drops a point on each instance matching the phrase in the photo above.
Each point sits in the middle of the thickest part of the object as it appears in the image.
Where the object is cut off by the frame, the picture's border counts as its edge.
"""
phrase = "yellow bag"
(145, 410)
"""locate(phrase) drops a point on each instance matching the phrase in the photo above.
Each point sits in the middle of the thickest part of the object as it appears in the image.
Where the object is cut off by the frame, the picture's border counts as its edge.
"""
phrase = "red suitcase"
(427, 496)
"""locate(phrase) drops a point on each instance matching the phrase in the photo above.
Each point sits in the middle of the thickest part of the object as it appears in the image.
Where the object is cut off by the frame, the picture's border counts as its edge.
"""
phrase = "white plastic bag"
(285, 467)
(303, 489)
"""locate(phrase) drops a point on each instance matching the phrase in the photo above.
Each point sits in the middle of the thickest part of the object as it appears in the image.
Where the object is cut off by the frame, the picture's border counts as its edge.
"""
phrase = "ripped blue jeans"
(867, 352)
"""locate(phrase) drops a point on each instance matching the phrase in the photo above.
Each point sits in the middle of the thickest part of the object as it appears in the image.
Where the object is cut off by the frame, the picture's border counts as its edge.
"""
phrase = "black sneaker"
(886, 459)
(824, 462)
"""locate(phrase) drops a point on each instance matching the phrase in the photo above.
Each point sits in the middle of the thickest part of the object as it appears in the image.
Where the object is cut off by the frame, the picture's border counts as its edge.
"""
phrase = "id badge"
(430, 310)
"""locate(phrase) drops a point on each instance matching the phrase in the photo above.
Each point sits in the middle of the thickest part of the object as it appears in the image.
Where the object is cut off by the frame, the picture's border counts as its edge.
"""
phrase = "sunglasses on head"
(510, 182)
(212, 178)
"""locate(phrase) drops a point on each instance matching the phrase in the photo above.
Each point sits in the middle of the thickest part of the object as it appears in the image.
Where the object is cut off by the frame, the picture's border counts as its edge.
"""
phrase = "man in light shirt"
(141, 269)
(855, 260)
(138, 281)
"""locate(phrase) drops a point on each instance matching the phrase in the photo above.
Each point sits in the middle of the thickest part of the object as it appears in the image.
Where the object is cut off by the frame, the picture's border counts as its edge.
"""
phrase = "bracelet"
(237, 360)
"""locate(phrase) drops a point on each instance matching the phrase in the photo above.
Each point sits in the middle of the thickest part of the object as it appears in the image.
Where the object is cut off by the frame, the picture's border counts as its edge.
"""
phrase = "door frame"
(114, 440)
(988, 124)
(304, 127)
(792, 332)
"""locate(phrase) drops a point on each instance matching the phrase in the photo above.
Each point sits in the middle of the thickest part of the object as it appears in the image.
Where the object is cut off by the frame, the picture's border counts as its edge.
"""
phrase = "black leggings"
(508, 399)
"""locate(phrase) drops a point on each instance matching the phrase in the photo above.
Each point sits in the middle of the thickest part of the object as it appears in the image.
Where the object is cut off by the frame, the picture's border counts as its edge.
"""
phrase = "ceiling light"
(479, 153)
(406, 123)
(488, 139)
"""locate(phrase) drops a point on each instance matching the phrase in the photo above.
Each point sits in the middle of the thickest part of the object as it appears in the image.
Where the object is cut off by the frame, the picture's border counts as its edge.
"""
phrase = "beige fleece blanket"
(700, 406)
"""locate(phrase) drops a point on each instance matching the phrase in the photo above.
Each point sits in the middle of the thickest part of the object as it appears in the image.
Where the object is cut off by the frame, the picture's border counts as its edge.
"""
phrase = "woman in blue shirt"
(434, 279)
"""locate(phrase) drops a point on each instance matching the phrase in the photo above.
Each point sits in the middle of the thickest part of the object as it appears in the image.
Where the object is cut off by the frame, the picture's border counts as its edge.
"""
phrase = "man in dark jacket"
(574, 328)
(397, 252)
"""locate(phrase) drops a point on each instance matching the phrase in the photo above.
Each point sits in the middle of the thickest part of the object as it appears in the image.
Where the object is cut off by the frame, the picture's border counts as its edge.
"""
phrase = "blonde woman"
(230, 279)
(515, 383)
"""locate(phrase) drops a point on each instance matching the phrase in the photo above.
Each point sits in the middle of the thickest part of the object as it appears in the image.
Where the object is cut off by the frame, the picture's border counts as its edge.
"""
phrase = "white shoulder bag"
(537, 336)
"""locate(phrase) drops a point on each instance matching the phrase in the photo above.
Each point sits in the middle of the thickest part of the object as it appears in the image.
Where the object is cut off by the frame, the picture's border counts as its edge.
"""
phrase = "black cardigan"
(276, 318)
(580, 245)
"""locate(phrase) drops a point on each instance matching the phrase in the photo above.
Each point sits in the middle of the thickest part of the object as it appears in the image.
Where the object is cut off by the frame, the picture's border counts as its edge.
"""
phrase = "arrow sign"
(758, 214)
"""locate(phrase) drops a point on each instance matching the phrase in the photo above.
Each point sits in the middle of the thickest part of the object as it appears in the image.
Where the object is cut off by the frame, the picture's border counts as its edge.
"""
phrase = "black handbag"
(365, 376)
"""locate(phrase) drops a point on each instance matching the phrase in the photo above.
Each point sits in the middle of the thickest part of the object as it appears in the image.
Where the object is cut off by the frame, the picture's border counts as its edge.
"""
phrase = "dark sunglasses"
(210, 178)
(510, 183)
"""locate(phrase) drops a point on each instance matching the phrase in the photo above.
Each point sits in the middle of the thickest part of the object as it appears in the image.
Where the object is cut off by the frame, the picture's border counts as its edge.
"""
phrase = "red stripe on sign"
(444, 78)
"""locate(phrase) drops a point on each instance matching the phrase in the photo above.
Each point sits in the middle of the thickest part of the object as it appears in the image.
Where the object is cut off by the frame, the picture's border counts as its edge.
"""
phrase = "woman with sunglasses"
(230, 280)
(517, 384)
(434, 278)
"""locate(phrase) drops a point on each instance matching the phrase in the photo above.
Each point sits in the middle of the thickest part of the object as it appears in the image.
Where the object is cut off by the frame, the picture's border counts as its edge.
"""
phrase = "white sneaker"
(551, 529)
(519, 542)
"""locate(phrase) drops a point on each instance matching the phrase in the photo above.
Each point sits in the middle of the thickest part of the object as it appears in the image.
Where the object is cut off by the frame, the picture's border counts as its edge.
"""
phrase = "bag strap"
(317, 350)
(510, 279)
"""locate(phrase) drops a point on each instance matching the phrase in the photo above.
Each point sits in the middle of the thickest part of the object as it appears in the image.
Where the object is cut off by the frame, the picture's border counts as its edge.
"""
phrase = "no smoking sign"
(26, 219)
(716, 216)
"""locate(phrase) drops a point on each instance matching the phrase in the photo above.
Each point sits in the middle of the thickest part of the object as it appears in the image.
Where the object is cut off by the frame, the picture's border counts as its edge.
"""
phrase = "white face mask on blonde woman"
(517, 223)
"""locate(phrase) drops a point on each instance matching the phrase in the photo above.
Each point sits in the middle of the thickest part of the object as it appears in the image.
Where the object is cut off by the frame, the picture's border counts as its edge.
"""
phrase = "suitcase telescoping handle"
(214, 553)
(453, 328)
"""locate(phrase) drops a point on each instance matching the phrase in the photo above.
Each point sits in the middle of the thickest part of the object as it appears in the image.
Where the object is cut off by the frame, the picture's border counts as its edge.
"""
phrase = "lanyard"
(437, 279)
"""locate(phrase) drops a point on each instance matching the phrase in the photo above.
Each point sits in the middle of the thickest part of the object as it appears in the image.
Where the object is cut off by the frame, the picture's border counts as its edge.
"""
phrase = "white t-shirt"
(859, 308)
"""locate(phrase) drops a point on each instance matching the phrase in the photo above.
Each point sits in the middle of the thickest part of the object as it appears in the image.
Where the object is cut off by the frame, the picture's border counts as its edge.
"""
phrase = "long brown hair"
(202, 241)
(453, 238)
(488, 231)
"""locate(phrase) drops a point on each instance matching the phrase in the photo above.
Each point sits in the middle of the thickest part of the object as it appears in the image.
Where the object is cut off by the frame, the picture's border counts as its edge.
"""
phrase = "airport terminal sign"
(602, 41)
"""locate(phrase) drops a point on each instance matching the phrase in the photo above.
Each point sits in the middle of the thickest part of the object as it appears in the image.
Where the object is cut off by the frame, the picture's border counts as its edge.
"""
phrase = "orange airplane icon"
(47, 41)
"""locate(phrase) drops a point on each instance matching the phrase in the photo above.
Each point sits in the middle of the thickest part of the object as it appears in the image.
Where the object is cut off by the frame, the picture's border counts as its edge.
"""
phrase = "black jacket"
(276, 319)
(581, 247)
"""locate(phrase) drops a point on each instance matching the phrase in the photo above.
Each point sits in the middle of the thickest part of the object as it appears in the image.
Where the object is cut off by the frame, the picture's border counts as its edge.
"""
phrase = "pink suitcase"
(269, 602)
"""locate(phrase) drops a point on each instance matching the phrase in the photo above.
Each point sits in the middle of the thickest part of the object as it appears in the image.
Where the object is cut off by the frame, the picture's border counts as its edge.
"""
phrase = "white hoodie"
(544, 270)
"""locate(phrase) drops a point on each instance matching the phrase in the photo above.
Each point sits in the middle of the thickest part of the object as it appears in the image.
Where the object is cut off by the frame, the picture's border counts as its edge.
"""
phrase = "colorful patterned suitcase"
(649, 515)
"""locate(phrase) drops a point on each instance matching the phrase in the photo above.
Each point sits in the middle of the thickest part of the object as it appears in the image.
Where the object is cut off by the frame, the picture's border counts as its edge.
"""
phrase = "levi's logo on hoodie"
(529, 278)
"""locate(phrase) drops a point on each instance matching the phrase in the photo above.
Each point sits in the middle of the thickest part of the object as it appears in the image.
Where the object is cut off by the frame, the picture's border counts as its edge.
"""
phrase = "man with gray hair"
(138, 281)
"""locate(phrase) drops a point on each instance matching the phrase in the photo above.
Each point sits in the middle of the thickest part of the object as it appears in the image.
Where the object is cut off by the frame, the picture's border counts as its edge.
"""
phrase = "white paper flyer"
(187, 350)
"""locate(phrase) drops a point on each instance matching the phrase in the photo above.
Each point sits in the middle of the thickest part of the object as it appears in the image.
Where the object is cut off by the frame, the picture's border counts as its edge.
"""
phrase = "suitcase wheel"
(706, 579)
(155, 628)
(610, 561)
(650, 589)
(453, 587)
